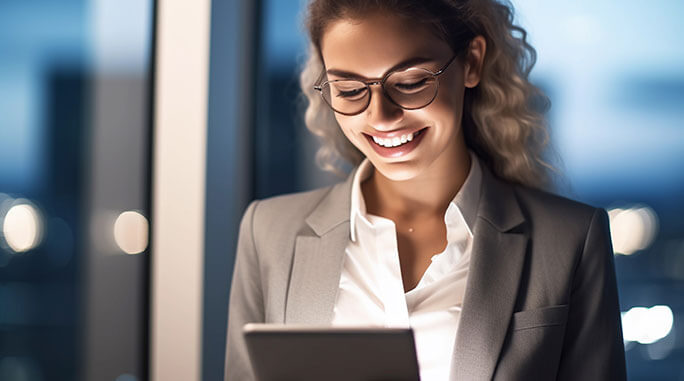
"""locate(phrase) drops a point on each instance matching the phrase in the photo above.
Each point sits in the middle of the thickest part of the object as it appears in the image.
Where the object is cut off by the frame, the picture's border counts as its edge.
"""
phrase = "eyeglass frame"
(381, 82)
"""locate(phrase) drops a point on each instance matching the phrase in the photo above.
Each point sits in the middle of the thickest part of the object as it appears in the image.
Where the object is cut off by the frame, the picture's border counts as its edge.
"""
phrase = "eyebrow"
(401, 65)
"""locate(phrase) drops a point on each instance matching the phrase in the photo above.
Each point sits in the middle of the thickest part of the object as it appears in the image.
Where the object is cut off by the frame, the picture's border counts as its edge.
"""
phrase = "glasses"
(410, 89)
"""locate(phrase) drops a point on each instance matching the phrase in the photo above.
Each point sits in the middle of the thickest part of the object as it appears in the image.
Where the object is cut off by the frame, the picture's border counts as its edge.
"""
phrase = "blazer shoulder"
(549, 213)
(285, 214)
(544, 202)
(292, 205)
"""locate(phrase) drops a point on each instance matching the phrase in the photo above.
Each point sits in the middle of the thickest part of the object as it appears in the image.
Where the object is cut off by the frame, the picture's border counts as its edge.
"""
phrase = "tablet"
(304, 353)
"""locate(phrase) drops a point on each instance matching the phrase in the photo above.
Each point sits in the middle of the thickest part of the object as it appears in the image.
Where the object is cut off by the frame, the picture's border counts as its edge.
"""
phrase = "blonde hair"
(503, 118)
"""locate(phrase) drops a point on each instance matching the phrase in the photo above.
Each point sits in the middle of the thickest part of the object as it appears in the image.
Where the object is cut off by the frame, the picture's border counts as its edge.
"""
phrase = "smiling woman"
(441, 226)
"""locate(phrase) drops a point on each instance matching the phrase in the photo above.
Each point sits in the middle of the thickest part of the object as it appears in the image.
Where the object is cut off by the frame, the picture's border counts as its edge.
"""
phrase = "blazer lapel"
(494, 275)
(496, 265)
(318, 258)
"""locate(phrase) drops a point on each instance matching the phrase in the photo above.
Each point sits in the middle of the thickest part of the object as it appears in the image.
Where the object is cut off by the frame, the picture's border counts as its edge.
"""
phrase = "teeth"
(394, 142)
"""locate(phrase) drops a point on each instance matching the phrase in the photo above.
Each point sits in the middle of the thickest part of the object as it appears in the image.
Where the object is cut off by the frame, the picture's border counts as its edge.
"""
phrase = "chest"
(378, 286)
(417, 243)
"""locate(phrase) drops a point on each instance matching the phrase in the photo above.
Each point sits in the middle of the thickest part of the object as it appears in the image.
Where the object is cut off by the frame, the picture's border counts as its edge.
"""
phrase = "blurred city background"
(77, 127)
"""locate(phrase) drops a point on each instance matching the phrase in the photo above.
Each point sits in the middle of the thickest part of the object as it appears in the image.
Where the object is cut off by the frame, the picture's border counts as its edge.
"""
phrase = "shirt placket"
(396, 310)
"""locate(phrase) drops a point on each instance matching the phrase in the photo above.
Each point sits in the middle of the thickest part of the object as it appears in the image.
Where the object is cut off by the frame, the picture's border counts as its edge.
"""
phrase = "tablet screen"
(302, 353)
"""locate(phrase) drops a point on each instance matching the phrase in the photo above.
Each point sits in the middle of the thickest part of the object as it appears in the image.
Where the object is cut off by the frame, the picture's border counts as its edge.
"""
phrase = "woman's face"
(371, 47)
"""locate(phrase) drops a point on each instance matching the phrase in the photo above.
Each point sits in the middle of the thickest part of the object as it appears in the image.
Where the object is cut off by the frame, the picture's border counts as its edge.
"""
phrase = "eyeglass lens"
(410, 89)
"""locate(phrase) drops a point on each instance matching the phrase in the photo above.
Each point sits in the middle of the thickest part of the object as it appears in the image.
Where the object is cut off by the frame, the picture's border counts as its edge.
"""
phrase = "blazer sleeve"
(593, 347)
(246, 300)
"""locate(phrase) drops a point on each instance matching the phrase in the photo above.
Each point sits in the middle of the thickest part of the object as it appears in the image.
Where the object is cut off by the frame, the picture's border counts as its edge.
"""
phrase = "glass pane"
(615, 75)
(74, 127)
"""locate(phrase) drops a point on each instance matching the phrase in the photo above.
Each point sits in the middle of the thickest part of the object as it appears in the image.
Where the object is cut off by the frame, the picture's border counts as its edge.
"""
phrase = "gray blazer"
(541, 300)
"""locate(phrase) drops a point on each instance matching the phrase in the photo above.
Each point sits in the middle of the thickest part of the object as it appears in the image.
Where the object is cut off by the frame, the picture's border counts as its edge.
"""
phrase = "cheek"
(448, 105)
(349, 125)
(451, 92)
(444, 110)
(343, 123)
(451, 96)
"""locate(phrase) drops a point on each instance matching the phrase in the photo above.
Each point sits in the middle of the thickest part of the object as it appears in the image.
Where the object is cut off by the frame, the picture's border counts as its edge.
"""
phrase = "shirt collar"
(465, 202)
(358, 204)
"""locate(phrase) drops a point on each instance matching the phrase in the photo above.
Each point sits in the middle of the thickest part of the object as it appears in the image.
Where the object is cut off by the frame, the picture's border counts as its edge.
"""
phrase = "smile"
(396, 146)
(394, 142)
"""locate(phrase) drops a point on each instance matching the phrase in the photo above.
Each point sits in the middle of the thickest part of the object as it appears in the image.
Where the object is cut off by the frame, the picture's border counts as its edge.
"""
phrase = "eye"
(350, 93)
(411, 86)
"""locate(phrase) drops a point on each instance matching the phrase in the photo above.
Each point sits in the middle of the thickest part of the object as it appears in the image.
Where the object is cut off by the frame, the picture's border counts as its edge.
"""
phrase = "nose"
(382, 114)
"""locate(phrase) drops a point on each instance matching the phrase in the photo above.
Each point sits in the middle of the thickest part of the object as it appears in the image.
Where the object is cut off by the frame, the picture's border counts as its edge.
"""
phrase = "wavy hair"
(503, 117)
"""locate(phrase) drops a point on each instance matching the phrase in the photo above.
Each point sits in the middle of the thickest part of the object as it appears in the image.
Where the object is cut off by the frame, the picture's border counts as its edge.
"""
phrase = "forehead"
(371, 45)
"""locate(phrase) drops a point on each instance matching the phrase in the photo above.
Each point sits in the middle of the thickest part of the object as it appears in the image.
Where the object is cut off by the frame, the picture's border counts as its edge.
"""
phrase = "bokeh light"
(647, 325)
(22, 226)
(632, 229)
(131, 232)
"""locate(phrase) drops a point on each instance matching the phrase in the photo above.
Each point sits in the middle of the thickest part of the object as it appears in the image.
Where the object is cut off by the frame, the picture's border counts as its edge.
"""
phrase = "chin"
(401, 171)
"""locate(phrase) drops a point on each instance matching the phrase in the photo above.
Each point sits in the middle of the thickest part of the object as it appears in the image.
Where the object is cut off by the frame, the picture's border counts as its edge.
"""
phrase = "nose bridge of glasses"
(382, 94)
(381, 107)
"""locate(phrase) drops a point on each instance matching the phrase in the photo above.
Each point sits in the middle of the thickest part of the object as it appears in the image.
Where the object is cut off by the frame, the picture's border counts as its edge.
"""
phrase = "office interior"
(133, 133)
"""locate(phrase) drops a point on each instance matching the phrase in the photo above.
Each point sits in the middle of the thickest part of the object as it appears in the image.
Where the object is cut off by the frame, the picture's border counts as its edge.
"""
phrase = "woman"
(441, 226)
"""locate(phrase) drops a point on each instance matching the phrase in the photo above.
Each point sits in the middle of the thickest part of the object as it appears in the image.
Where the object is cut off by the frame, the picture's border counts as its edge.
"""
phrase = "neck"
(425, 196)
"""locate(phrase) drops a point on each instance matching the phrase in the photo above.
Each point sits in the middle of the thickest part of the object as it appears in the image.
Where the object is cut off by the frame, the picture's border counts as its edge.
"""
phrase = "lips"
(398, 145)
(393, 142)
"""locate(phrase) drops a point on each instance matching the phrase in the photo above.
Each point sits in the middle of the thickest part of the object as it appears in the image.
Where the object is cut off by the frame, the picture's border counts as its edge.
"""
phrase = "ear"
(474, 61)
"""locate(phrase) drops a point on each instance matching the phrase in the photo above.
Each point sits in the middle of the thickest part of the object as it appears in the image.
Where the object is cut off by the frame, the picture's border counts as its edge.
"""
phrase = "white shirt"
(371, 291)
